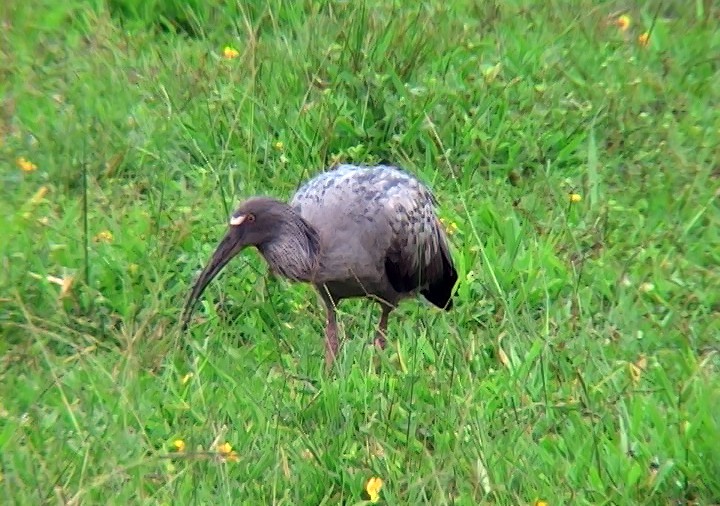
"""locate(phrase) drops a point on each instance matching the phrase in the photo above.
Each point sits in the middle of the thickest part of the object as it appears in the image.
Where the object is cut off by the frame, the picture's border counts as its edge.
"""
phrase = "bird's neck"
(294, 251)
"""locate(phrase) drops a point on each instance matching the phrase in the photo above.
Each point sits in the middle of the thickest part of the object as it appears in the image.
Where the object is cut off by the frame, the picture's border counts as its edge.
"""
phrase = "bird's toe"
(380, 342)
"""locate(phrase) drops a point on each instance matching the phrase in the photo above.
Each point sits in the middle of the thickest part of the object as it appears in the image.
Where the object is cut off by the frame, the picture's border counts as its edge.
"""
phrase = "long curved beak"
(229, 246)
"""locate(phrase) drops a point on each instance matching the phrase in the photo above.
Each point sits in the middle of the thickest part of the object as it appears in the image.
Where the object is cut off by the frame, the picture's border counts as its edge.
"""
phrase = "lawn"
(573, 146)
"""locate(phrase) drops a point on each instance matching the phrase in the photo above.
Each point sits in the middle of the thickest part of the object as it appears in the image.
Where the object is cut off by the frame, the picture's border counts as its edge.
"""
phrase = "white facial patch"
(237, 220)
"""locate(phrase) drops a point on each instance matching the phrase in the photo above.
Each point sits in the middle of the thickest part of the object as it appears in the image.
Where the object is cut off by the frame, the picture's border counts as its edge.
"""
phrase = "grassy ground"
(576, 164)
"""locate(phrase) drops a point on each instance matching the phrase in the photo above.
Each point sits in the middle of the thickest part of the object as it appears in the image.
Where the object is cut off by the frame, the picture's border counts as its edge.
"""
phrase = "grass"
(581, 363)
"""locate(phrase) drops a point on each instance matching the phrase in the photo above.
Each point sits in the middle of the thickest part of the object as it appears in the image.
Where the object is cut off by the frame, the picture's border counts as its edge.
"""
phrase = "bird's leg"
(380, 340)
(331, 339)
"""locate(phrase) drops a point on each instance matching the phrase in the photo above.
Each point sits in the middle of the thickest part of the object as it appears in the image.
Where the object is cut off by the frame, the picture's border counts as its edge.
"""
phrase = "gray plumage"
(351, 232)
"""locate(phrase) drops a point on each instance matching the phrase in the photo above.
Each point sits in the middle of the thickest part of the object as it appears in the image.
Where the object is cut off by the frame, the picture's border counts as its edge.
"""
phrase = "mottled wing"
(418, 257)
(357, 205)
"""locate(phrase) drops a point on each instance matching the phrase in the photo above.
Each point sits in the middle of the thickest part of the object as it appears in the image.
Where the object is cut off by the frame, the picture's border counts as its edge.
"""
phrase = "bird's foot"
(380, 341)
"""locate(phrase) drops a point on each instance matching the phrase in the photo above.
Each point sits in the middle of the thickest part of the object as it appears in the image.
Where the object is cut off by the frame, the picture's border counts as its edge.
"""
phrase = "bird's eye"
(250, 218)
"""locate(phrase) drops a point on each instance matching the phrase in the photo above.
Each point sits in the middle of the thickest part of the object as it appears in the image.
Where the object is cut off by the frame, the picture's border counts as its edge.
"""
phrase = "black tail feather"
(440, 292)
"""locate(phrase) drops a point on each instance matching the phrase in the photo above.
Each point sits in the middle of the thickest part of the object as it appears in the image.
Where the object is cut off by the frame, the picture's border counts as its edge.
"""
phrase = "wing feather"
(419, 257)
(397, 204)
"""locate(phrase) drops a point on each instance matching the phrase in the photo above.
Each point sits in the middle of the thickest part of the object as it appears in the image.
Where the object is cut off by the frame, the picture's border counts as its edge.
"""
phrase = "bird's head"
(255, 223)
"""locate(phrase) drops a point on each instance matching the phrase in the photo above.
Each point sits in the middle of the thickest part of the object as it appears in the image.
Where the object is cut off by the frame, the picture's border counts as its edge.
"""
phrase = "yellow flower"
(25, 164)
(56, 281)
(230, 52)
(39, 195)
(104, 236)
(279, 145)
(575, 198)
(66, 286)
(644, 39)
(372, 487)
(646, 287)
(227, 453)
(179, 445)
(450, 227)
(623, 22)
(541, 503)
(187, 378)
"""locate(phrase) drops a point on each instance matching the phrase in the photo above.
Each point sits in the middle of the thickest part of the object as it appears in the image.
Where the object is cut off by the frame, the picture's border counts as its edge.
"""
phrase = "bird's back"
(355, 194)
(378, 229)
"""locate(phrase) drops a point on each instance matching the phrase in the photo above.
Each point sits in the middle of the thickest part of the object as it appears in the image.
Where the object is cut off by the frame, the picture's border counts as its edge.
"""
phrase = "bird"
(351, 231)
